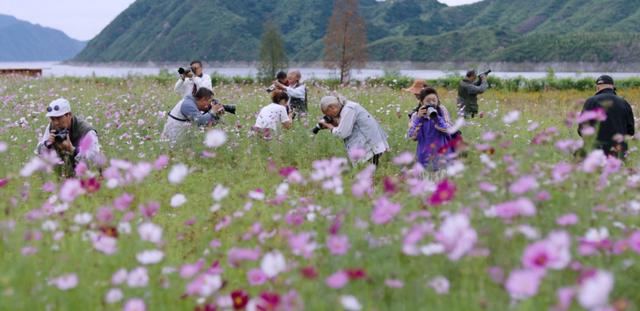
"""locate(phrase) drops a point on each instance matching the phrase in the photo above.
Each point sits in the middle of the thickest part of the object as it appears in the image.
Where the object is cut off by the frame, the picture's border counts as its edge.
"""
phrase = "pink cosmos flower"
(70, 190)
(256, 277)
(363, 185)
(512, 209)
(134, 304)
(204, 285)
(445, 192)
(138, 277)
(114, 295)
(3, 182)
(356, 154)
(237, 255)
(594, 290)
(149, 210)
(337, 280)
(523, 185)
(161, 162)
(487, 187)
(189, 270)
(404, 158)
(338, 244)
(123, 202)
(65, 282)
(105, 244)
(119, 277)
(302, 244)
(457, 236)
(440, 285)
(565, 296)
(553, 252)
(567, 220)
(150, 232)
(394, 283)
(634, 241)
(523, 284)
(384, 211)
(104, 215)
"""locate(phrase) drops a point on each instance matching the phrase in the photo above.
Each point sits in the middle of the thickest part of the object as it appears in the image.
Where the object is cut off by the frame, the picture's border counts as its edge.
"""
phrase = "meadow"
(518, 222)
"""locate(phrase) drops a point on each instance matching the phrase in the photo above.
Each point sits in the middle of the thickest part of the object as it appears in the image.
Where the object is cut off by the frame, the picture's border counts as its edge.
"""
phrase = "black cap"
(471, 73)
(604, 79)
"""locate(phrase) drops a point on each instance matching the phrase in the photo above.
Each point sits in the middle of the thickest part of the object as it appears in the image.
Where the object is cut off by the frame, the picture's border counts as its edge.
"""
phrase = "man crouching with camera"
(363, 137)
(64, 135)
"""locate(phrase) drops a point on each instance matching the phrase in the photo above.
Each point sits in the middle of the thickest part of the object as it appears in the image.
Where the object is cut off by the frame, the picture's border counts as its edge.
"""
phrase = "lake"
(56, 69)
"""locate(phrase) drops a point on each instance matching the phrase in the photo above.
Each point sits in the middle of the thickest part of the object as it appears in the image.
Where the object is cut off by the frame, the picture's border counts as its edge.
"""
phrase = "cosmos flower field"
(233, 221)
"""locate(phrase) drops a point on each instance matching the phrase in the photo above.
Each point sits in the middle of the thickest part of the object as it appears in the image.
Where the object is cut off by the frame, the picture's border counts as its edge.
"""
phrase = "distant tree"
(273, 56)
(345, 44)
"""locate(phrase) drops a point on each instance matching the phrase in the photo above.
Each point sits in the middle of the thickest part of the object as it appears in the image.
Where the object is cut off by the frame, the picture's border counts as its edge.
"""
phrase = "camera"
(228, 108)
(318, 126)
(61, 135)
(271, 88)
(183, 71)
(486, 73)
(432, 112)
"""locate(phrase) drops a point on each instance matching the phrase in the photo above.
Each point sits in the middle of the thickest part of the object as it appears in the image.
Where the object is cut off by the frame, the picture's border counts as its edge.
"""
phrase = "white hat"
(58, 107)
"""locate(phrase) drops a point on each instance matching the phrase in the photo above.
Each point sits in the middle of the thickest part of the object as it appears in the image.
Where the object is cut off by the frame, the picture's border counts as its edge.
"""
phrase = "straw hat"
(417, 86)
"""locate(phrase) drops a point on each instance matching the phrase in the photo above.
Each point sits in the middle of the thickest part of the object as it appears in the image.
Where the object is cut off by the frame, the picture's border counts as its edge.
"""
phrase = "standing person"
(297, 91)
(274, 114)
(429, 129)
(192, 110)
(468, 91)
(65, 134)
(619, 120)
(192, 80)
(358, 128)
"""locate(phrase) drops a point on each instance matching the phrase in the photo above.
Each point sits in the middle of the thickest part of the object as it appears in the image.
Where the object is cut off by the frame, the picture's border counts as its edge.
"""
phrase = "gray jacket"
(359, 129)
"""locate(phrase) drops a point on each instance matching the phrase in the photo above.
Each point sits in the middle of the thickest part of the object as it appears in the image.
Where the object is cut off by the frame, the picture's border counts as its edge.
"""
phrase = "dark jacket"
(619, 116)
(468, 94)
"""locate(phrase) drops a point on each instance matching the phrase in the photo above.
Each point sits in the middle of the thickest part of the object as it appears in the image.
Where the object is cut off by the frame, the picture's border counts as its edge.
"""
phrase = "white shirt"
(185, 87)
(271, 115)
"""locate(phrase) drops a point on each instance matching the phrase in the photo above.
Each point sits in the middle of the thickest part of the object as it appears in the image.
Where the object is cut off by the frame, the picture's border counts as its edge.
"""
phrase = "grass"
(129, 115)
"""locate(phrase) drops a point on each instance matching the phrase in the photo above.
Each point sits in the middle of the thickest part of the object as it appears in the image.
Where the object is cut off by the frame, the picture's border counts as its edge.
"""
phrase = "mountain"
(23, 41)
(397, 30)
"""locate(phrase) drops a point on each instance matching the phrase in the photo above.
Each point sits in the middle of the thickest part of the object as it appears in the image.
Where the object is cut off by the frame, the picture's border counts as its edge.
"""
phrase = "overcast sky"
(83, 19)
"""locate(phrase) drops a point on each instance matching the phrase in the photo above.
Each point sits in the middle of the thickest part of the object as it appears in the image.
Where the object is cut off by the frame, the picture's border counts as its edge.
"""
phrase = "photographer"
(274, 114)
(281, 77)
(618, 124)
(199, 109)
(191, 79)
(64, 135)
(356, 127)
(468, 91)
(297, 91)
(429, 129)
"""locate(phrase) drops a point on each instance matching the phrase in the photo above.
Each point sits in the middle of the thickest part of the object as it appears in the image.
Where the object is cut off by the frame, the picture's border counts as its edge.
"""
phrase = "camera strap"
(176, 118)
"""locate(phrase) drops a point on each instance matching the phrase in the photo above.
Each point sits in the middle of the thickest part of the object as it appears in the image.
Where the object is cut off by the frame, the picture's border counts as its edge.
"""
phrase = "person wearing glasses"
(193, 79)
(199, 109)
(72, 138)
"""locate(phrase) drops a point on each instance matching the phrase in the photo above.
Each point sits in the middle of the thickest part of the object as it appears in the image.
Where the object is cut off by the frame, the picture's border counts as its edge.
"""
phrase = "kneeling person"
(274, 114)
(64, 135)
(192, 110)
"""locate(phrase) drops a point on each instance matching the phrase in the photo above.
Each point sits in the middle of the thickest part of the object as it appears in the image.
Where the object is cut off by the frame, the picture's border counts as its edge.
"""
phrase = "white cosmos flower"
(273, 263)
(350, 303)
(219, 192)
(178, 173)
(150, 257)
(178, 200)
(215, 138)
(511, 117)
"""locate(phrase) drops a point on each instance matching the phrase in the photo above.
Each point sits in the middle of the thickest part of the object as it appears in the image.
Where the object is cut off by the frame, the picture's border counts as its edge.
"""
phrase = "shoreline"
(399, 65)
